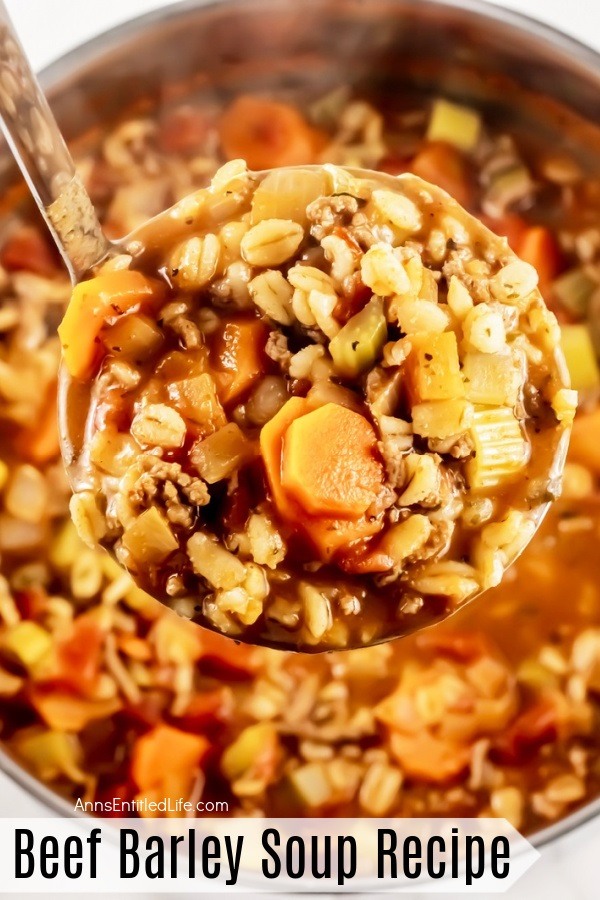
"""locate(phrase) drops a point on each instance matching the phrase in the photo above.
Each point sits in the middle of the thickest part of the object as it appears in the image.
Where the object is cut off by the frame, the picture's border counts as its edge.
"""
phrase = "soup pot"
(523, 72)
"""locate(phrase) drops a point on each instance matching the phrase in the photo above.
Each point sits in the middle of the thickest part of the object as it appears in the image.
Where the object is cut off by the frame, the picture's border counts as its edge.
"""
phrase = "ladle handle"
(42, 155)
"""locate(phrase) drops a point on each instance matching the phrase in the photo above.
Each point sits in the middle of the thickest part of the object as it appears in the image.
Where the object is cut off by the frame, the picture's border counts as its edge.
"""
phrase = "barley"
(341, 256)
(483, 328)
(211, 561)
(380, 788)
(157, 425)
(382, 271)
(309, 278)
(515, 282)
(273, 295)
(459, 299)
(86, 575)
(271, 242)
(397, 209)
(317, 611)
(194, 263)
(26, 495)
(564, 404)
(322, 306)
(266, 544)
(89, 522)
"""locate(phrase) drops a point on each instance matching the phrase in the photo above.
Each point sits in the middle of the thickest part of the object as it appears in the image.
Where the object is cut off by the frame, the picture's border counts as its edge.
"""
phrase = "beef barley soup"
(104, 692)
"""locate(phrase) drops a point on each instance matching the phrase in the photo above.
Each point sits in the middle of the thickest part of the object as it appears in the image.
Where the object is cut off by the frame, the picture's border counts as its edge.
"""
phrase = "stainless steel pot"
(528, 73)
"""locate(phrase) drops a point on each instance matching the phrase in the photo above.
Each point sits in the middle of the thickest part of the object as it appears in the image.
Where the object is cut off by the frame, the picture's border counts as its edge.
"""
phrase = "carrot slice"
(165, 751)
(585, 441)
(429, 758)
(267, 134)
(239, 357)
(329, 462)
(444, 166)
(94, 303)
(326, 534)
(27, 250)
(40, 444)
(539, 247)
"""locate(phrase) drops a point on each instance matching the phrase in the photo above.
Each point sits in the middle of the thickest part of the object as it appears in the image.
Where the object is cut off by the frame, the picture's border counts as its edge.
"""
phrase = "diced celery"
(491, 379)
(455, 124)
(579, 353)
(358, 345)
(500, 447)
(149, 538)
(574, 290)
(50, 754)
(240, 756)
(28, 642)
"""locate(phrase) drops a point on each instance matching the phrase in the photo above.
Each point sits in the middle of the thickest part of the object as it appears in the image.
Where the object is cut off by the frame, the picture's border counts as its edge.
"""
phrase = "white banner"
(260, 855)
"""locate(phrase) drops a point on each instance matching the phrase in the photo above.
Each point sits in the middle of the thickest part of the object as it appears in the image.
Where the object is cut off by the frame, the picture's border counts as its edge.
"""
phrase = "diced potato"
(442, 418)
(50, 754)
(197, 399)
(221, 453)
(433, 368)
(133, 337)
(581, 359)
(149, 538)
(455, 124)
(501, 450)
(360, 342)
(311, 784)
(491, 379)
(210, 560)
(113, 451)
(285, 194)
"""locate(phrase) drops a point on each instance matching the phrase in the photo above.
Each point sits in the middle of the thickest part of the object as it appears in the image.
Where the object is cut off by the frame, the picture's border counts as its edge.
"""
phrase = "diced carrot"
(79, 653)
(511, 226)
(464, 647)
(343, 477)
(64, 711)
(362, 558)
(585, 440)
(182, 130)
(267, 134)
(444, 166)
(534, 727)
(166, 751)
(40, 443)
(327, 535)
(27, 250)
(539, 247)
(432, 369)
(238, 355)
(224, 658)
(96, 302)
(428, 758)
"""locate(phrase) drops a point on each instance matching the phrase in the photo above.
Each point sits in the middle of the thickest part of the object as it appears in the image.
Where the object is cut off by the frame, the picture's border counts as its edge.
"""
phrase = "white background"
(570, 868)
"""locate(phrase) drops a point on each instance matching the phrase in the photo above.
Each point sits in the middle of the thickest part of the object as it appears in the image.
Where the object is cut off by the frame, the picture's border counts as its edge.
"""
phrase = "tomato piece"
(27, 250)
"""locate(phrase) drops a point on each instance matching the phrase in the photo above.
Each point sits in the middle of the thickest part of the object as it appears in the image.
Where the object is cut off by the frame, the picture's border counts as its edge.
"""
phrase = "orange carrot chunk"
(585, 441)
(267, 134)
(166, 750)
(539, 247)
(326, 534)
(329, 462)
(95, 303)
(444, 166)
(239, 357)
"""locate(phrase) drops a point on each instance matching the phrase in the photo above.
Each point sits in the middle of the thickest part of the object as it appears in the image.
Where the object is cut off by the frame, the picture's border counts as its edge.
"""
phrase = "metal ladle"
(49, 170)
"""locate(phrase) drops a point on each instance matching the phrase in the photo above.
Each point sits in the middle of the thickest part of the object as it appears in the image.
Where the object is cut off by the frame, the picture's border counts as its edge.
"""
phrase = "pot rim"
(585, 58)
